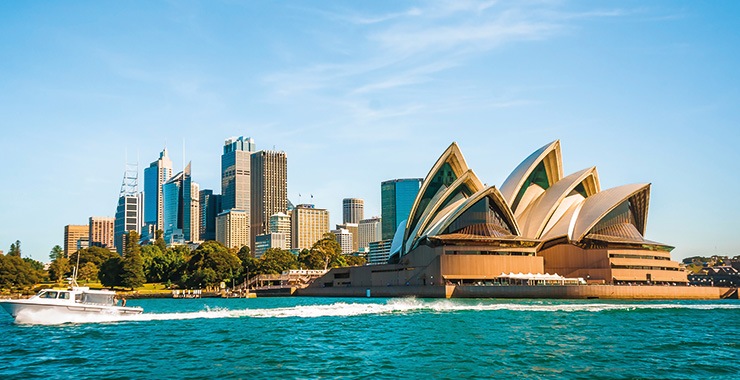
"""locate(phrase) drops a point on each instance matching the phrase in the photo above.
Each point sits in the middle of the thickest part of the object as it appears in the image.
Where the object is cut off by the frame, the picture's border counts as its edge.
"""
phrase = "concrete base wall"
(551, 292)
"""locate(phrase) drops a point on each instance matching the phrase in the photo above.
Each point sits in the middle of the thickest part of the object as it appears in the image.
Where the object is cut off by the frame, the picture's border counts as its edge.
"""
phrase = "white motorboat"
(75, 300)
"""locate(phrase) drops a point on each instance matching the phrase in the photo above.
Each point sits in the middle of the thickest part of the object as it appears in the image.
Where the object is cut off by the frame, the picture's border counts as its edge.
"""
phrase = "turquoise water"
(383, 338)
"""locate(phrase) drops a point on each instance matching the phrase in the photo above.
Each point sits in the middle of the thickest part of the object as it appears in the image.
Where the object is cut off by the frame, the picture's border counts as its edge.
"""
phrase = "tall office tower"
(379, 252)
(179, 211)
(308, 225)
(368, 231)
(128, 211)
(353, 229)
(155, 177)
(352, 210)
(232, 228)
(344, 238)
(101, 231)
(280, 223)
(210, 207)
(397, 196)
(235, 173)
(72, 233)
(269, 188)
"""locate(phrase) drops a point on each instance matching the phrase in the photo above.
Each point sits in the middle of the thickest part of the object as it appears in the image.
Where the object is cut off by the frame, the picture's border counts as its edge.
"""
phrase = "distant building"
(155, 177)
(101, 231)
(269, 188)
(368, 230)
(72, 233)
(354, 230)
(129, 209)
(309, 224)
(280, 223)
(181, 209)
(272, 240)
(344, 238)
(397, 196)
(719, 275)
(235, 173)
(379, 252)
(352, 210)
(210, 207)
(82, 243)
(232, 228)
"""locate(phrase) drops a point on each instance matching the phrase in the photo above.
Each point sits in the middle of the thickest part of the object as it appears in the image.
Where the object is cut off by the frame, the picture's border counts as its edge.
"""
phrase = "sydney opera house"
(465, 239)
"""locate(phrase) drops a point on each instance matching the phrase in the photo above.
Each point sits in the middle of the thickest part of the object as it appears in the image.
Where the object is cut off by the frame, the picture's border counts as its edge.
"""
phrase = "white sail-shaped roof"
(515, 188)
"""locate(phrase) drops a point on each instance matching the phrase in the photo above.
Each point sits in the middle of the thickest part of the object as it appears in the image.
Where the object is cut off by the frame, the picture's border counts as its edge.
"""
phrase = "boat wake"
(344, 309)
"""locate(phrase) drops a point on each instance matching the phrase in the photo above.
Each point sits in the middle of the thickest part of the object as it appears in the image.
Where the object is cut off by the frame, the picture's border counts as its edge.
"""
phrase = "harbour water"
(381, 338)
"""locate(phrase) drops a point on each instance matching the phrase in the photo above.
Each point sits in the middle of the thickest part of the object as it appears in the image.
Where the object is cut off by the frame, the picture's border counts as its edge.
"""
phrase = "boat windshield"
(48, 294)
(103, 299)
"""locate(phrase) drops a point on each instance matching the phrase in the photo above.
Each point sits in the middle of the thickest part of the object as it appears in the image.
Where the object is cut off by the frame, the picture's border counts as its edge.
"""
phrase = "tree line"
(206, 266)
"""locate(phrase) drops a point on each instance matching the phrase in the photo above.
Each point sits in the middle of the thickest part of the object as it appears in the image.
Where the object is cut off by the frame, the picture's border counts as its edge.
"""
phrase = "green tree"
(132, 265)
(325, 253)
(223, 265)
(59, 269)
(15, 272)
(110, 272)
(95, 255)
(15, 249)
(159, 242)
(35, 264)
(88, 272)
(163, 266)
(275, 261)
(56, 252)
(355, 260)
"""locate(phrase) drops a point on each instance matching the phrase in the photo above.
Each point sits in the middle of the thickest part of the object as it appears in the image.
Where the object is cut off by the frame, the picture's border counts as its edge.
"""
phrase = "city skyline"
(377, 89)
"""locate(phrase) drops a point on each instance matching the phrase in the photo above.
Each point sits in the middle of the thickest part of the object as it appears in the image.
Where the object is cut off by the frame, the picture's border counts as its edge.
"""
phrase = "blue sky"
(357, 93)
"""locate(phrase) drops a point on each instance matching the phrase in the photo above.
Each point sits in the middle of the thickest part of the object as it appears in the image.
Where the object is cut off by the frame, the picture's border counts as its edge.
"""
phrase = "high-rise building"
(235, 173)
(397, 196)
(181, 210)
(379, 252)
(101, 231)
(344, 238)
(210, 207)
(269, 188)
(232, 228)
(272, 240)
(280, 223)
(72, 233)
(308, 225)
(352, 210)
(368, 231)
(353, 229)
(155, 177)
(128, 212)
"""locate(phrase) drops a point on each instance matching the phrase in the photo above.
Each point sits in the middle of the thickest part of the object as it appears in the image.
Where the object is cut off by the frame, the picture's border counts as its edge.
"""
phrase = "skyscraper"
(155, 177)
(128, 212)
(353, 229)
(101, 231)
(235, 173)
(280, 223)
(352, 210)
(72, 233)
(397, 196)
(269, 189)
(210, 207)
(232, 228)
(309, 225)
(344, 238)
(368, 232)
(181, 210)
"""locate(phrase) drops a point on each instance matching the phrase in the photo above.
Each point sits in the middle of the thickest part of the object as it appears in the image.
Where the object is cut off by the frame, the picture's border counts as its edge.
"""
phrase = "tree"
(355, 260)
(275, 261)
(211, 263)
(15, 272)
(159, 242)
(132, 265)
(59, 269)
(163, 266)
(56, 252)
(325, 253)
(110, 272)
(95, 255)
(15, 249)
(88, 272)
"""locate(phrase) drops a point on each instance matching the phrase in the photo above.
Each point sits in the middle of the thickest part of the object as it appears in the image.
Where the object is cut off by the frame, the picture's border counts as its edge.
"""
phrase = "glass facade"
(397, 197)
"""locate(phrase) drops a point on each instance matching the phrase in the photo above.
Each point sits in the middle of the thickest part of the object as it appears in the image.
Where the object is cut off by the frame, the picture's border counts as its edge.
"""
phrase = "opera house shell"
(462, 232)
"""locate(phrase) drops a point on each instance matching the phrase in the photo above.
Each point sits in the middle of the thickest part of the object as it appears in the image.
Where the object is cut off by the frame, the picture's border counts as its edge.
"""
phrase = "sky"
(361, 92)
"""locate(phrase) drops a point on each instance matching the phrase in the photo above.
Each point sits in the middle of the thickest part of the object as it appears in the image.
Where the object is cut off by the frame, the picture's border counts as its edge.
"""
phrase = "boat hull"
(17, 307)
